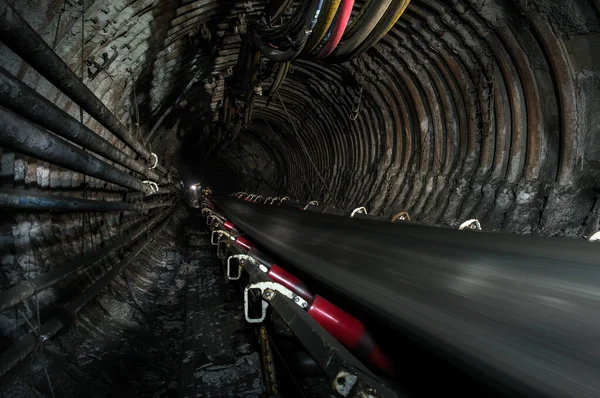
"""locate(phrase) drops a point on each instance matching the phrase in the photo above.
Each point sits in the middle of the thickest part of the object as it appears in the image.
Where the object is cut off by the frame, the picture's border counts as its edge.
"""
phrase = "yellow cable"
(401, 6)
(322, 27)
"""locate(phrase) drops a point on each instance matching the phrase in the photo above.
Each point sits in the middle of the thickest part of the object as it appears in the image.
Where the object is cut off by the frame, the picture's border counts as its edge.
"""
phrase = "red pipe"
(349, 331)
(245, 243)
(288, 280)
(229, 226)
(341, 22)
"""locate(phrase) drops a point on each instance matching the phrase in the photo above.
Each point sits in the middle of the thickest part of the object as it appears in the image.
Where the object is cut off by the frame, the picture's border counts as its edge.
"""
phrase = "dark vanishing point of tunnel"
(117, 115)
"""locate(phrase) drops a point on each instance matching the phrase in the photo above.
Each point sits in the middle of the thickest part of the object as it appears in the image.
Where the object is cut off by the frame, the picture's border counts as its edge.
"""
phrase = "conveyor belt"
(523, 311)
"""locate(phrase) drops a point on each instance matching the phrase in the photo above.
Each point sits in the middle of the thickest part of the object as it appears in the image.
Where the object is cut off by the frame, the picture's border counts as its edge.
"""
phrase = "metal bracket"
(153, 186)
(249, 259)
(238, 257)
(106, 62)
(210, 218)
(219, 234)
(267, 291)
(221, 250)
(471, 224)
(214, 217)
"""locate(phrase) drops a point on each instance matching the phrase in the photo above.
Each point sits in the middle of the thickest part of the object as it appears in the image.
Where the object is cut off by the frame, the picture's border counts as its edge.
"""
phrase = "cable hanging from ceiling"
(329, 31)
(321, 30)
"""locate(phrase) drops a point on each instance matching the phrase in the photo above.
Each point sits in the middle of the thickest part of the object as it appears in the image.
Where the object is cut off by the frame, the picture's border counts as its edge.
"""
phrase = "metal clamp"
(359, 210)
(267, 291)
(153, 186)
(219, 234)
(155, 156)
(472, 224)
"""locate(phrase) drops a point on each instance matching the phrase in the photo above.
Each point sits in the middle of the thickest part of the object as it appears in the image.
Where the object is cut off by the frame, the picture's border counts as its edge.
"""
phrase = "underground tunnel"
(299, 198)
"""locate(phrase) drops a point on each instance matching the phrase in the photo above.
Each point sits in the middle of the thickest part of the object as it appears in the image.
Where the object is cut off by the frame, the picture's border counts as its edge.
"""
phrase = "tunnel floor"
(186, 337)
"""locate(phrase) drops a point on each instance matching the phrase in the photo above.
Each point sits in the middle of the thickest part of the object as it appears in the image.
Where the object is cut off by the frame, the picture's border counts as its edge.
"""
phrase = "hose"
(278, 55)
(251, 74)
(282, 72)
(355, 22)
(289, 29)
(386, 23)
(288, 55)
(361, 28)
(325, 21)
(341, 21)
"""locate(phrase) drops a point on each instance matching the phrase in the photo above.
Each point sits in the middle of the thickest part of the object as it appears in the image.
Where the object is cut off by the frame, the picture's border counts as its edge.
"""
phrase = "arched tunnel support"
(470, 114)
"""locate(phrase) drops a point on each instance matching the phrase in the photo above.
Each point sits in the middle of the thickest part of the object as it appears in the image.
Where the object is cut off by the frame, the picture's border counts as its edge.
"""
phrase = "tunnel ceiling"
(466, 109)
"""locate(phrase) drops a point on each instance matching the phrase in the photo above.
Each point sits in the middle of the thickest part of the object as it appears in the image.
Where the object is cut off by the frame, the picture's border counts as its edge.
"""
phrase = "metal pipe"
(511, 309)
(20, 135)
(29, 343)
(15, 199)
(23, 291)
(16, 33)
(154, 205)
(19, 97)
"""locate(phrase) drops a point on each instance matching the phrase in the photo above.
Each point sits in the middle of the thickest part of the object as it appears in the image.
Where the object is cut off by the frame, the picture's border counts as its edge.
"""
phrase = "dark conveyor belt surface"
(521, 310)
